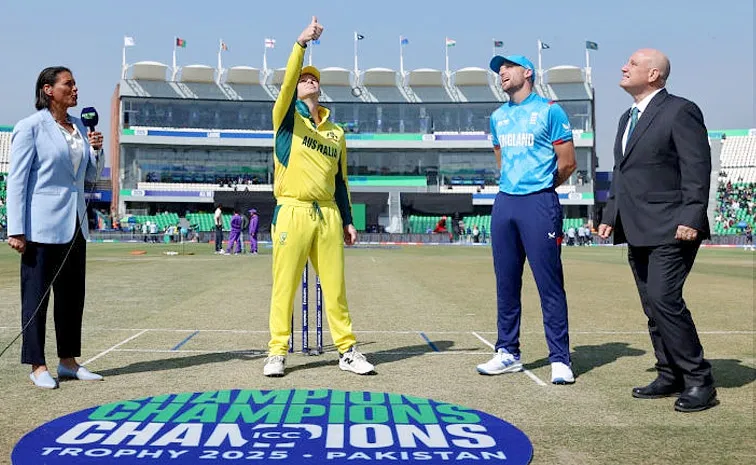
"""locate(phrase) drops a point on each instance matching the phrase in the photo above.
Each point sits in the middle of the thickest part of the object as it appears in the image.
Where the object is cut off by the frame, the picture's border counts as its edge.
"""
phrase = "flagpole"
(220, 62)
(540, 66)
(446, 50)
(123, 62)
(588, 65)
(401, 57)
(265, 58)
(309, 60)
(356, 69)
(173, 76)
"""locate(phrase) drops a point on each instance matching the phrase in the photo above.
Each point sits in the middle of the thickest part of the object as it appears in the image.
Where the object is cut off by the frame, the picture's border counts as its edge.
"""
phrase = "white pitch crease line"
(530, 374)
(264, 352)
(261, 331)
(115, 346)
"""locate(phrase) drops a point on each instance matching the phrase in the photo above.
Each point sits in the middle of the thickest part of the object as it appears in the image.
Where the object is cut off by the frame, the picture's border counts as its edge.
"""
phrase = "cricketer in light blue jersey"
(534, 150)
(526, 134)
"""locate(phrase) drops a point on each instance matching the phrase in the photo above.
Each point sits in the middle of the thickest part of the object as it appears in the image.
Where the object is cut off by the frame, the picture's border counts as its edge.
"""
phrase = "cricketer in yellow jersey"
(313, 216)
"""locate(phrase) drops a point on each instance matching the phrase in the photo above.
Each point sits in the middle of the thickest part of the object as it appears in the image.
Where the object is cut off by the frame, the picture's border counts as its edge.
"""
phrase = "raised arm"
(284, 105)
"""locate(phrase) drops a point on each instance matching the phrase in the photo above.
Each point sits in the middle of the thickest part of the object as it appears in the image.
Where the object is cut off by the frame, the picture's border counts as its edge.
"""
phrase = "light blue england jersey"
(526, 133)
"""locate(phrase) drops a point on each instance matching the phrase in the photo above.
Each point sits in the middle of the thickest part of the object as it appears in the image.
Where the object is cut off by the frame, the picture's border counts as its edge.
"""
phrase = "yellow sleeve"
(288, 95)
(341, 193)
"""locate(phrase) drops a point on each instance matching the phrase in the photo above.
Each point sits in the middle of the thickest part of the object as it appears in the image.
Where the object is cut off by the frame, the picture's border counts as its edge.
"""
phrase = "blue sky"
(710, 44)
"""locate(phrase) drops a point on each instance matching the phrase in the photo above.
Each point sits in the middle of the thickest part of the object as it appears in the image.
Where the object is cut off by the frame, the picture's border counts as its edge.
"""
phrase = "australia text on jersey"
(326, 150)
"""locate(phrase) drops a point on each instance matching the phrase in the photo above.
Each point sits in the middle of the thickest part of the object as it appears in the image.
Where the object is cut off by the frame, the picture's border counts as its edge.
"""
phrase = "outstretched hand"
(311, 32)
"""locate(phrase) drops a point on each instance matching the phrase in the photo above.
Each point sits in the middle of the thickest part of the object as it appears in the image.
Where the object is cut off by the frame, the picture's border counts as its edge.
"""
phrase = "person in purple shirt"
(235, 236)
(253, 222)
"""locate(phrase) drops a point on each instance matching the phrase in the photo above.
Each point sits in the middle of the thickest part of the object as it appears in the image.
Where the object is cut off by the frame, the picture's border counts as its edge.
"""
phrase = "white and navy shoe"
(81, 373)
(354, 361)
(502, 362)
(561, 373)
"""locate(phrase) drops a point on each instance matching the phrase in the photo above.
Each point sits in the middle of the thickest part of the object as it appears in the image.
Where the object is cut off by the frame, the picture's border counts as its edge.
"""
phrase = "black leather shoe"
(657, 389)
(696, 399)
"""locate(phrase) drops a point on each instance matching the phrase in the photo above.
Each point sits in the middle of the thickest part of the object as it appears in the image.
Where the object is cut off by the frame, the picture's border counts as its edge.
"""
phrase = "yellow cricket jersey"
(310, 160)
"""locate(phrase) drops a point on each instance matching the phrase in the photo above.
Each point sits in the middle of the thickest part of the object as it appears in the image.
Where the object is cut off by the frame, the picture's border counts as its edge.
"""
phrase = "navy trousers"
(39, 265)
(530, 226)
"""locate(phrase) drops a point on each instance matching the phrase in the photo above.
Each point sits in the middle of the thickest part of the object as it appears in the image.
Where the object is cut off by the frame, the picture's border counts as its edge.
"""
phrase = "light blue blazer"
(44, 194)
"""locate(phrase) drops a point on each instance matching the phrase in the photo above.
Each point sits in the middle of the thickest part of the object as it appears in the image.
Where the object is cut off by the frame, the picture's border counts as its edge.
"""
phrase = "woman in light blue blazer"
(51, 156)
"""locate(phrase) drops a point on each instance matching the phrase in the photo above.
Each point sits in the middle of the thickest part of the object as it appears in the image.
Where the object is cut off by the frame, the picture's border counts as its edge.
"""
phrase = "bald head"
(646, 70)
(657, 61)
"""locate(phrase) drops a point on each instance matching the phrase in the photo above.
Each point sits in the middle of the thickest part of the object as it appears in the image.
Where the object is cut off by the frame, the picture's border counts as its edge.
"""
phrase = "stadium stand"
(381, 85)
(420, 224)
(204, 222)
(5, 138)
(336, 85)
(474, 85)
(428, 85)
(244, 82)
(736, 201)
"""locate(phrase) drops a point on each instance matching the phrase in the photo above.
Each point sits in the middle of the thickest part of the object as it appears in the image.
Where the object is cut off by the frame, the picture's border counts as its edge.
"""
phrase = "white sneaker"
(274, 366)
(354, 361)
(561, 373)
(502, 362)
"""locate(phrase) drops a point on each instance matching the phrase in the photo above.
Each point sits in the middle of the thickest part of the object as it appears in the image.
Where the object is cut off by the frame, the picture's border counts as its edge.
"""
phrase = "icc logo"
(282, 238)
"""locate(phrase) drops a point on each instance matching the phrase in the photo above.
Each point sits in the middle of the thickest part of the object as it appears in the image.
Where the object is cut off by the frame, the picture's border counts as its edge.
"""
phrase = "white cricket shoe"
(274, 366)
(354, 361)
(502, 362)
(561, 373)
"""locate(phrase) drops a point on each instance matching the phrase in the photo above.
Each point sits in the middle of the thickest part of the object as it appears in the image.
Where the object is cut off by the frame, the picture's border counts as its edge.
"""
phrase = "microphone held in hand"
(90, 118)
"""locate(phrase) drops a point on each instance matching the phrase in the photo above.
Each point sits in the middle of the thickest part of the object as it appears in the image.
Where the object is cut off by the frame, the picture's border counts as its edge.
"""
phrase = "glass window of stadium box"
(404, 163)
(379, 118)
(469, 168)
(206, 114)
(194, 165)
(579, 114)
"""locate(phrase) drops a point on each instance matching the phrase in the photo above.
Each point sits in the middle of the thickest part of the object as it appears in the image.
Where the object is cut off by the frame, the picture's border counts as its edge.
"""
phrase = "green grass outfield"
(139, 308)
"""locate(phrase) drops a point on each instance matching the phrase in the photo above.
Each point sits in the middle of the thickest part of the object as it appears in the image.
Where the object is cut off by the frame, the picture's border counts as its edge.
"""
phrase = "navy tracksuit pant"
(530, 226)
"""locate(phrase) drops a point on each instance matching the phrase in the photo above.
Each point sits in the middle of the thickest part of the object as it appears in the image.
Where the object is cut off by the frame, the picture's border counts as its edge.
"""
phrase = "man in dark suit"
(657, 204)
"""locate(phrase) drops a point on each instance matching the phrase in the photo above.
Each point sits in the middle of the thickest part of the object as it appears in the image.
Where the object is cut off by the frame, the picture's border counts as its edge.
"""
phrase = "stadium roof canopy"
(424, 85)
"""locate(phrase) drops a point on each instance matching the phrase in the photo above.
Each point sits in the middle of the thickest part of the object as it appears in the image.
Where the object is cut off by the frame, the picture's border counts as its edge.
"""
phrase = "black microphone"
(90, 118)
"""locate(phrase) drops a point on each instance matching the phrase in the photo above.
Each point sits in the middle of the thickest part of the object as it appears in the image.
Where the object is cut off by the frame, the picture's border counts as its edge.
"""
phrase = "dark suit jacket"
(662, 179)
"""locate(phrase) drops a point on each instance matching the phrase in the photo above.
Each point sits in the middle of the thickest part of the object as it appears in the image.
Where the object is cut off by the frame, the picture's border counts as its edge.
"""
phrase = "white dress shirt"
(75, 145)
(641, 106)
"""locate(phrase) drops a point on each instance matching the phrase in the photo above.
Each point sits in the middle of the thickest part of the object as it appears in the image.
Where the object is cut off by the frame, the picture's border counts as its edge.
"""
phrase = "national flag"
(180, 42)
(223, 47)
(544, 45)
(591, 45)
(450, 42)
(498, 43)
(403, 40)
(316, 41)
(128, 41)
(270, 43)
(358, 36)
